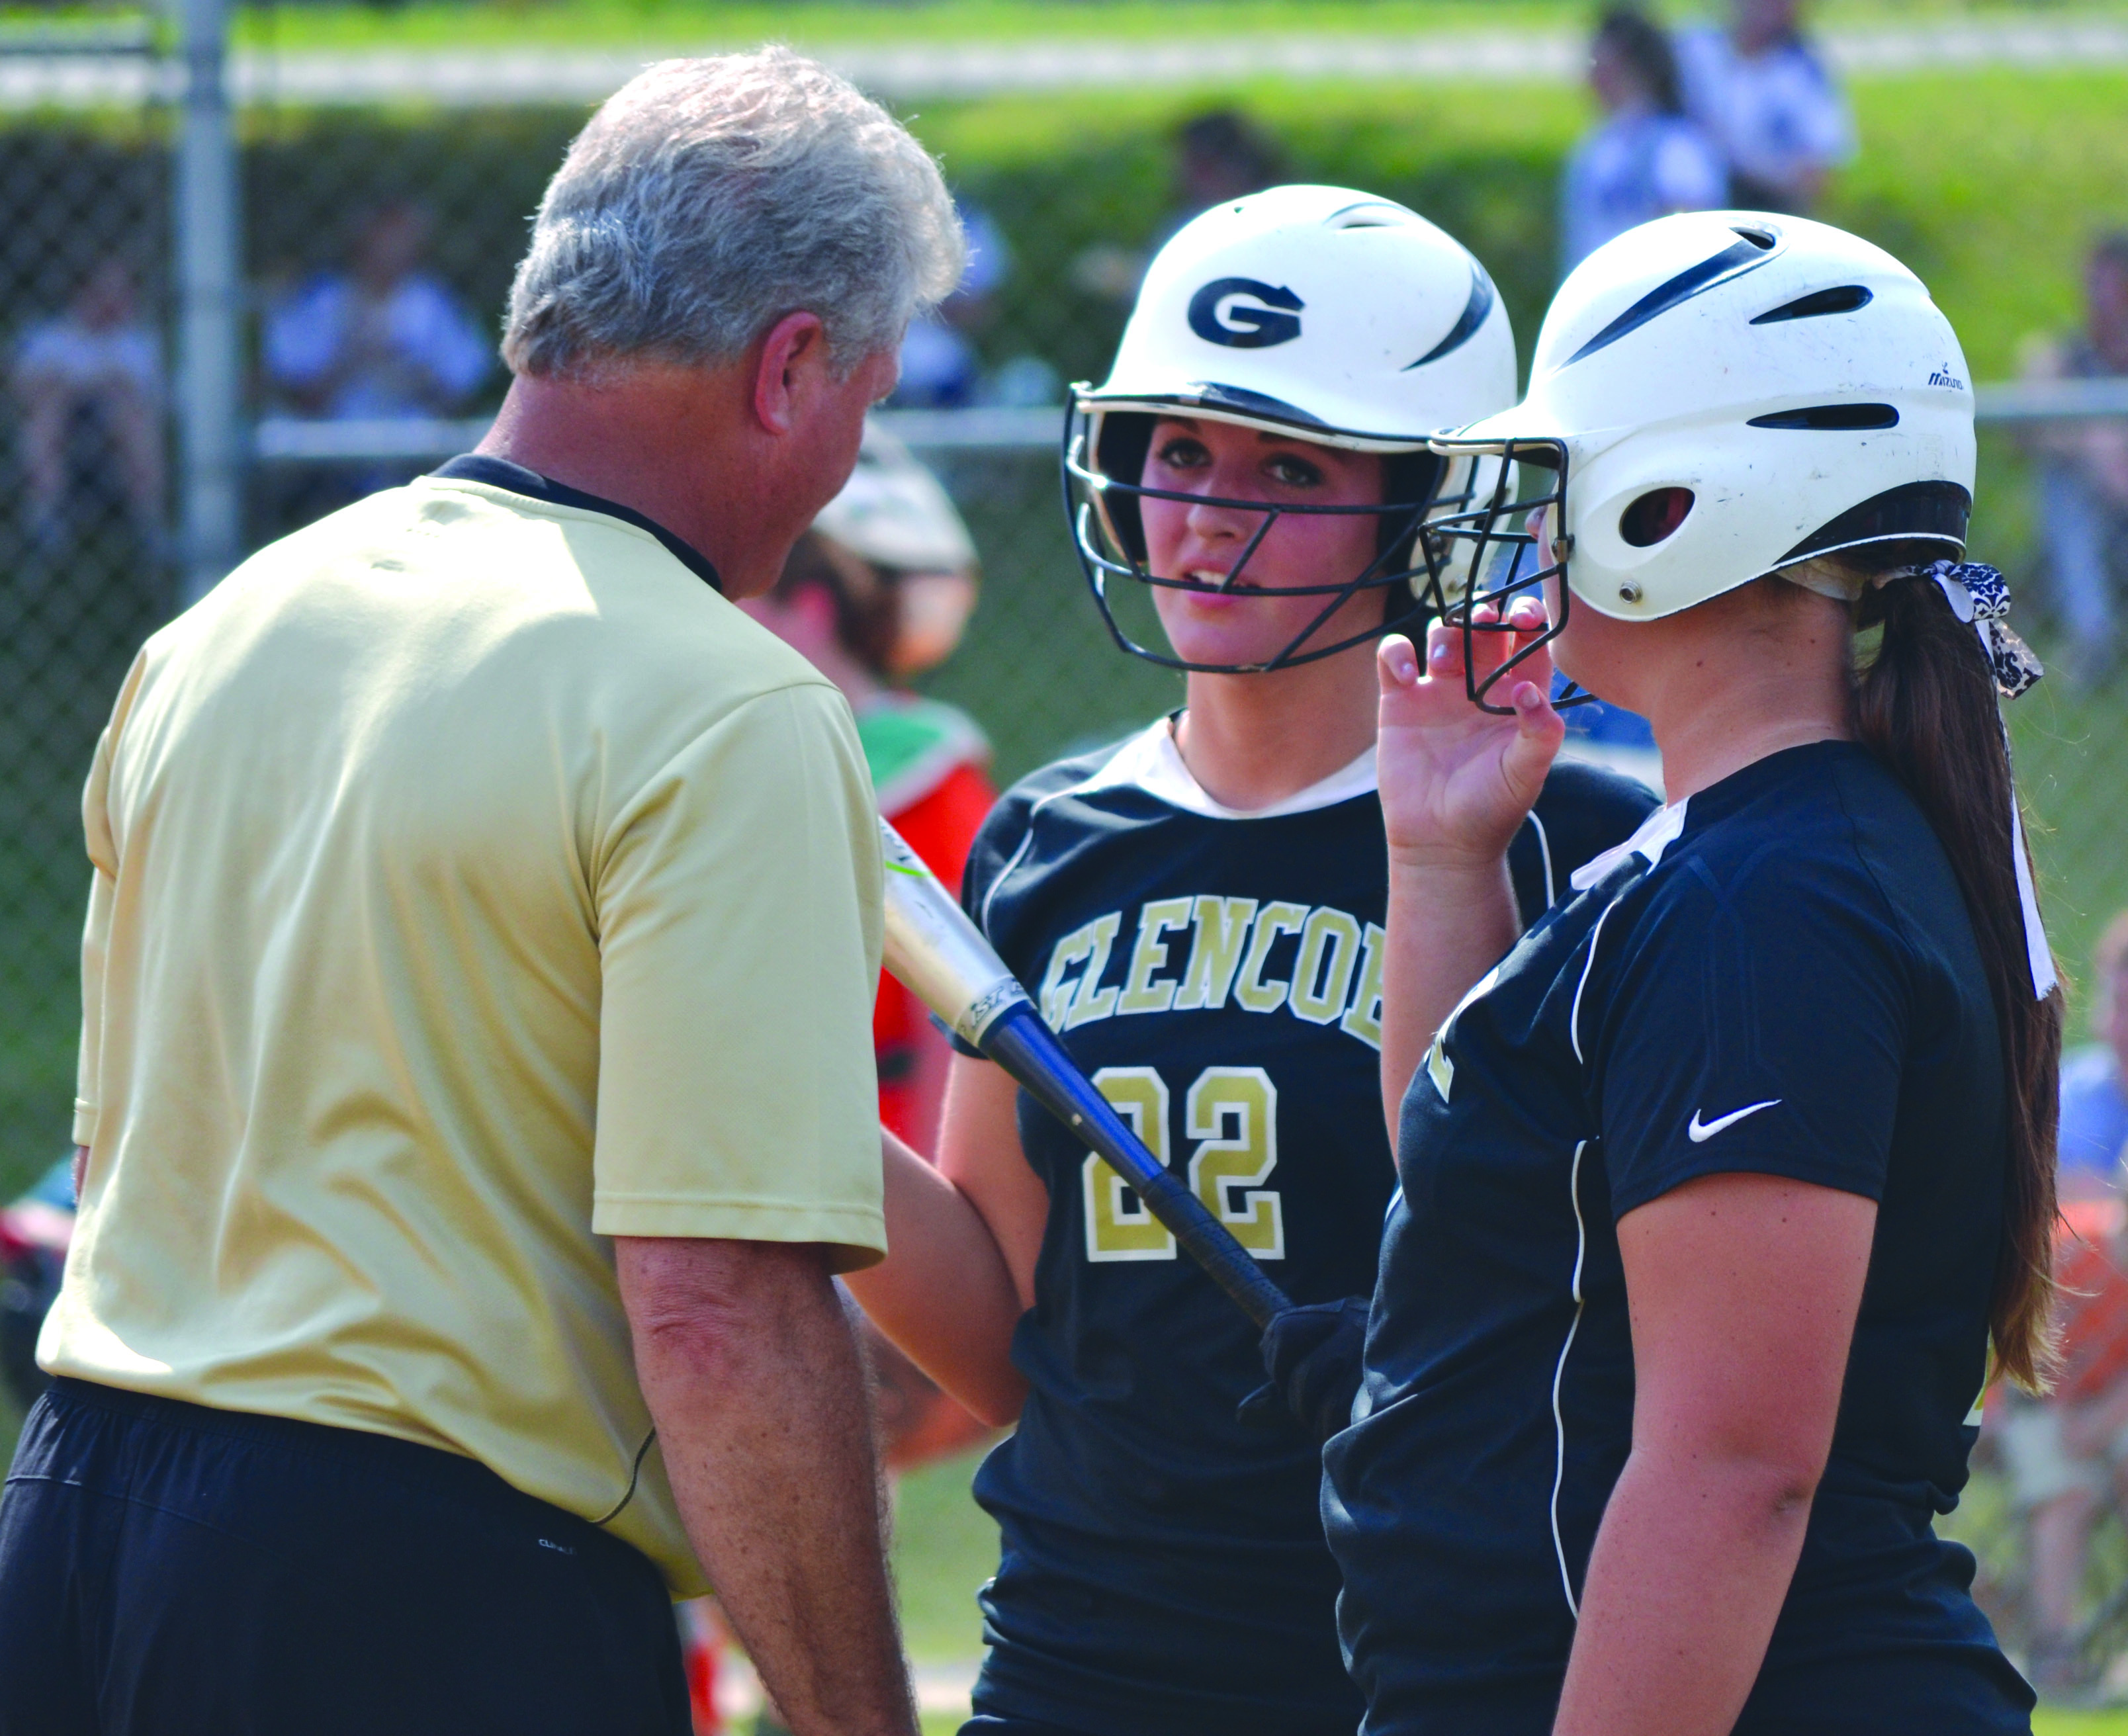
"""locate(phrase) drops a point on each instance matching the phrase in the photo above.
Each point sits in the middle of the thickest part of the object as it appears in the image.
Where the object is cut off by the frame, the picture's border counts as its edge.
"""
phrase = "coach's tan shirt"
(472, 883)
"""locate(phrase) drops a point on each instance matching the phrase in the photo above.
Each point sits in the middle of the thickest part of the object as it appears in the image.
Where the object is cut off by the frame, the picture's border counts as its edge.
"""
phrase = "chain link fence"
(85, 569)
(377, 246)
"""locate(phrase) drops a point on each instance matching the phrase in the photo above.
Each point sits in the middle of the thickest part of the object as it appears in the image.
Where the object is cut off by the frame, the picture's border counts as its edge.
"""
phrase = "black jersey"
(1778, 977)
(1218, 976)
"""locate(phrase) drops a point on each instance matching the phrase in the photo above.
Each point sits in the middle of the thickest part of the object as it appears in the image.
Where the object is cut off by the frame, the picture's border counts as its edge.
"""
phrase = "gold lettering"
(1148, 954)
(1222, 925)
(1273, 922)
(1093, 1002)
(1329, 949)
(1363, 1018)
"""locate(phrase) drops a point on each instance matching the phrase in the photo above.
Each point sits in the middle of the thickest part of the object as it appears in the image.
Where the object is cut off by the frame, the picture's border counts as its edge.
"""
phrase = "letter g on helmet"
(1219, 314)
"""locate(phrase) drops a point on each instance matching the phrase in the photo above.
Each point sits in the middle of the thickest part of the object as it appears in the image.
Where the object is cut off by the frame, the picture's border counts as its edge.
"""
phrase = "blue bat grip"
(1027, 1049)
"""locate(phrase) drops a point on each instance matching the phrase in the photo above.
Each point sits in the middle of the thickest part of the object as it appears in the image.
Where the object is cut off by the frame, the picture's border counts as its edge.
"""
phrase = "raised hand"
(1456, 781)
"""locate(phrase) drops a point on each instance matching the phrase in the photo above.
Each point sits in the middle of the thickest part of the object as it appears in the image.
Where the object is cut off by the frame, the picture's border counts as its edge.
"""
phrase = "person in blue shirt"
(1647, 158)
(1719, 1180)
(2094, 1079)
(1198, 911)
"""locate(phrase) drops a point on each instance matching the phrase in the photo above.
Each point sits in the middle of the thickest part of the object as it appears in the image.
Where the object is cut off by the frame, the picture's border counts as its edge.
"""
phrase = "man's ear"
(794, 360)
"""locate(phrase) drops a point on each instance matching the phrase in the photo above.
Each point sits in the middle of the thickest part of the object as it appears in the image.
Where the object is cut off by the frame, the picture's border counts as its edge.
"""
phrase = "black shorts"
(171, 1569)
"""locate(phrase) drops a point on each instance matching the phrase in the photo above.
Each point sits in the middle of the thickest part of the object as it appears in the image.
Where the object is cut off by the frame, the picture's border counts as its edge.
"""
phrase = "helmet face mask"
(1325, 317)
(1505, 546)
(1105, 502)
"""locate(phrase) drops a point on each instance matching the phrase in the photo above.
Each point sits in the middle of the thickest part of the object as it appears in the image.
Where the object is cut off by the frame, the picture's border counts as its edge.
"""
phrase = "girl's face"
(1248, 622)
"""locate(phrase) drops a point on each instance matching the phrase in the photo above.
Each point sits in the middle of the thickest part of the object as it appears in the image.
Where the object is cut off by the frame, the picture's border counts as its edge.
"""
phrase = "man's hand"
(753, 1378)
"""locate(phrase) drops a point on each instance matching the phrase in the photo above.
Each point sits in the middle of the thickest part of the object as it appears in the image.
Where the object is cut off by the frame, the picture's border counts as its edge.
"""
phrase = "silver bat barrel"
(941, 957)
(935, 952)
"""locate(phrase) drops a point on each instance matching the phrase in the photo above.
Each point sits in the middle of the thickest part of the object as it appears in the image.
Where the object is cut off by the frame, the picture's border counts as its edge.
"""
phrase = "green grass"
(945, 1547)
(428, 24)
(685, 24)
(588, 23)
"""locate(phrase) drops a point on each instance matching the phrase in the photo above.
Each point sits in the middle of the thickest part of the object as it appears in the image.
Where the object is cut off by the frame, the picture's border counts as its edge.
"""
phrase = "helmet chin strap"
(1978, 596)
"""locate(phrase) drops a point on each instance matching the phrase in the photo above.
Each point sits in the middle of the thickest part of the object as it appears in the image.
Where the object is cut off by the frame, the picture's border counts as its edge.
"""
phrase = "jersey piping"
(1559, 1376)
(1668, 823)
(1544, 851)
(1657, 832)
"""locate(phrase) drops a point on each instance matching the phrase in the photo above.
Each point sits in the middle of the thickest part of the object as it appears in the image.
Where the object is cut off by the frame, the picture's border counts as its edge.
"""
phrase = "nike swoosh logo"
(1700, 1132)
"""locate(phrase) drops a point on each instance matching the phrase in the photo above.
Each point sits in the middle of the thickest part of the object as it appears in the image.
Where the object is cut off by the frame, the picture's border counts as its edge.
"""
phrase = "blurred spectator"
(90, 384)
(941, 369)
(1220, 154)
(1611, 736)
(2083, 469)
(2068, 1453)
(1646, 159)
(1765, 98)
(2094, 1080)
(875, 593)
(34, 1233)
(383, 338)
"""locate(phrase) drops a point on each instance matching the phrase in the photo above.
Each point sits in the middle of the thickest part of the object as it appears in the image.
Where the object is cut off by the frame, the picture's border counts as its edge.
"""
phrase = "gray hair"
(709, 198)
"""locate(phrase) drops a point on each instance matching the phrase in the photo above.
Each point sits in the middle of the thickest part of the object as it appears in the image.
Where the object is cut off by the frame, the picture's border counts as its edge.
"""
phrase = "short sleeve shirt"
(1632, 170)
(1218, 975)
(472, 883)
(1776, 114)
(1778, 977)
(2094, 1112)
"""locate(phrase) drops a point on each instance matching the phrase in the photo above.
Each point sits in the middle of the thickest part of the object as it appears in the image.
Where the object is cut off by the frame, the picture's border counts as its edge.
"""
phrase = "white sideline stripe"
(487, 78)
(318, 440)
(308, 440)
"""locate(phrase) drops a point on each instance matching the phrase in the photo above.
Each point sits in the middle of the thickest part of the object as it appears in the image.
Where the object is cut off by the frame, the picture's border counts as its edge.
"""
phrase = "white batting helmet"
(893, 513)
(1318, 312)
(1723, 394)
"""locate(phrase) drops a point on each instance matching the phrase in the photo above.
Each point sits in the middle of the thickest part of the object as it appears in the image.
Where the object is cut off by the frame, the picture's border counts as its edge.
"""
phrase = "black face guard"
(1101, 501)
(1505, 562)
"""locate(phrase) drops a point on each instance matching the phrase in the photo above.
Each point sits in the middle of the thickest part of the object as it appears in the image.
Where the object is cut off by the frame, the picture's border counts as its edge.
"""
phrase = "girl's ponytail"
(1927, 706)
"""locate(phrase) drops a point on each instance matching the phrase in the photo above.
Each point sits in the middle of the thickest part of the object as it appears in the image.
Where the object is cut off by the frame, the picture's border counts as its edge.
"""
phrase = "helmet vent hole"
(1374, 214)
(1832, 418)
(1844, 299)
(1654, 516)
(1758, 238)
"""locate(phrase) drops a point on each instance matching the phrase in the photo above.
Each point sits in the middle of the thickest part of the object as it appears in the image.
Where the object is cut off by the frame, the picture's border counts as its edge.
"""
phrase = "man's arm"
(753, 1378)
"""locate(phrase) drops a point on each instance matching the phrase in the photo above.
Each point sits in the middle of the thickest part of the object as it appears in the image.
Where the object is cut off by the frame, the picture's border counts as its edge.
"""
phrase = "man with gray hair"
(476, 1096)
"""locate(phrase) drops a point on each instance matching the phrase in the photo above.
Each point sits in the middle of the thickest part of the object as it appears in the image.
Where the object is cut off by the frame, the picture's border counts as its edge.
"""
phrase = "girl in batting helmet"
(1198, 910)
(1718, 1183)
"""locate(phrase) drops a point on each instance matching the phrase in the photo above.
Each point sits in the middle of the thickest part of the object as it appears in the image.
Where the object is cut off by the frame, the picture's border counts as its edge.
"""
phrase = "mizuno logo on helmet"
(1943, 376)
(1217, 317)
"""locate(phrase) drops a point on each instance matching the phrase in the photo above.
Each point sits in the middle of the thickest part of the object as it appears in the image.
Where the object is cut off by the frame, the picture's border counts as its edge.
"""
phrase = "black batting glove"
(1313, 1355)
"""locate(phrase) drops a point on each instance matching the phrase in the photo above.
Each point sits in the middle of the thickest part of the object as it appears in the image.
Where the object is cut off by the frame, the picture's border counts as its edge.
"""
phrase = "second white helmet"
(1725, 394)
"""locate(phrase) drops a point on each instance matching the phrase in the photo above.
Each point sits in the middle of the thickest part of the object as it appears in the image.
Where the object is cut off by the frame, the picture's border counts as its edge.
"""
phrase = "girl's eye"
(1293, 470)
(1182, 453)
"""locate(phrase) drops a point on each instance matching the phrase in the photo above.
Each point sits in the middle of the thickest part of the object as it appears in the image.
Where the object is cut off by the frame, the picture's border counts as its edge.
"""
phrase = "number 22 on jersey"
(1232, 1113)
